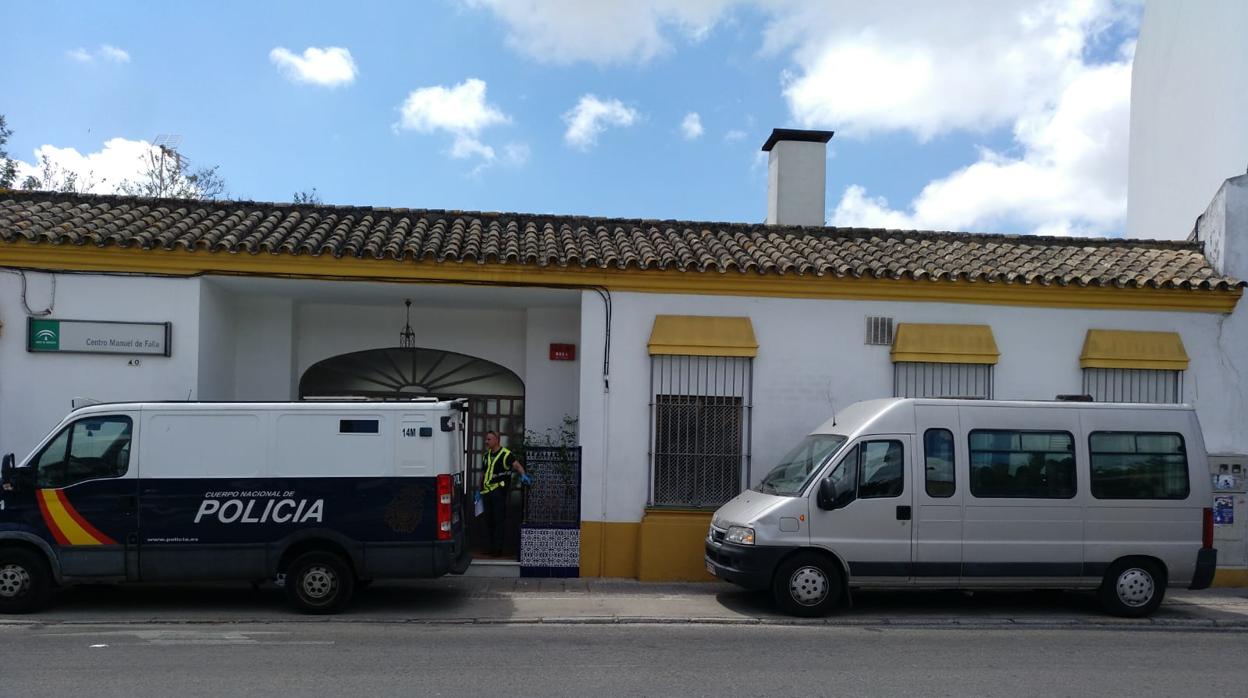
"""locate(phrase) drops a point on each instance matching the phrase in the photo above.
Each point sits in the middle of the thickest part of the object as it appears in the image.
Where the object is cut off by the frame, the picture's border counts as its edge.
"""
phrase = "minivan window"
(1031, 464)
(89, 449)
(882, 473)
(1138, 465)
(795, 469)
(938, 462)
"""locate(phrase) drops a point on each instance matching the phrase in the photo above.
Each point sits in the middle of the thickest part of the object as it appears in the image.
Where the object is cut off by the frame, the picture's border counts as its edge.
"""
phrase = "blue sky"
(1000, 116)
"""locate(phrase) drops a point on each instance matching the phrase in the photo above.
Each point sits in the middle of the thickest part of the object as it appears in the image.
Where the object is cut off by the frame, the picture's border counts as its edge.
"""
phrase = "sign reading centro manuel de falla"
(45, 335)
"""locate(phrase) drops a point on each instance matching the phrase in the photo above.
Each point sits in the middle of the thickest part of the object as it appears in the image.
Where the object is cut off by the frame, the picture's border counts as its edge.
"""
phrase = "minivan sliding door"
(938, 493)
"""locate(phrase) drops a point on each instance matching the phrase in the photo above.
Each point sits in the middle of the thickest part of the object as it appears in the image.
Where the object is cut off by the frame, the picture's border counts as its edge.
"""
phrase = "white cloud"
(591, 116)
(516, 154)
(114, 54)
(691, 126)
(328, 67)
(1069, 180)
(735, 134)
(105, 52)
(930, 67)
(601, 31)
(100, 172)
(461, 110)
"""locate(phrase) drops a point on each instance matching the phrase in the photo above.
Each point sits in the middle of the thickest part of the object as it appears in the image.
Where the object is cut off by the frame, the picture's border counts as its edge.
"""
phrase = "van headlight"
(740, 535)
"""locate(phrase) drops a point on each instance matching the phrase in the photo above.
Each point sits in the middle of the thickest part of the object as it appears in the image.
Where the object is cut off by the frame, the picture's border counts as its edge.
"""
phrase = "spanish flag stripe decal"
(60, 519)
(92, 531)
(47, 520)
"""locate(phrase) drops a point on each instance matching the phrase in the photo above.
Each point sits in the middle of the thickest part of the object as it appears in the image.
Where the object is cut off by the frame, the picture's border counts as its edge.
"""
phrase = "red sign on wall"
(563, 352)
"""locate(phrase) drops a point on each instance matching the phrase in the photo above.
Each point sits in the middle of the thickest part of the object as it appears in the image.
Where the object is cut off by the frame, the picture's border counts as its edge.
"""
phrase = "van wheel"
(1133, 588)
(319, 582)
(25, 582)
(807, 585)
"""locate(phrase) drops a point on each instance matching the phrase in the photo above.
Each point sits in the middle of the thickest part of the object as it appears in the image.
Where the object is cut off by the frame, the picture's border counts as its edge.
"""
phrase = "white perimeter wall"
(812, 358)
(1189, 112)
(552, 388)
(264, 349)
(216, 343)
(36, 389)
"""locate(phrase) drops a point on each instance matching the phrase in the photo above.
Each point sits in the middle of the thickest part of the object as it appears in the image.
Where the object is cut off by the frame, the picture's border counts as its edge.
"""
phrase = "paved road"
(349, 658)
(454, 599)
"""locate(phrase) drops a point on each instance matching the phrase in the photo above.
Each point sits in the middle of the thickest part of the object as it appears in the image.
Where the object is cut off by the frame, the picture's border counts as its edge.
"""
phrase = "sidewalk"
(462, 600)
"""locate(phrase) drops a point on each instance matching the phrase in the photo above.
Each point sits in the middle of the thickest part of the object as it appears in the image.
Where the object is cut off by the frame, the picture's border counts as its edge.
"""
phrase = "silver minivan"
(972, 494)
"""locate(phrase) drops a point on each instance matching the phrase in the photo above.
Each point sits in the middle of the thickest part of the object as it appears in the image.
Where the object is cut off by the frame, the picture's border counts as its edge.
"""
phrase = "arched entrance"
(495, 393)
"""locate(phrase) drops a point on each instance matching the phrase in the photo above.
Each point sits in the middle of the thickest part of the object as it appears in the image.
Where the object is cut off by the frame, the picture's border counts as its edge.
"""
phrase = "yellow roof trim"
(944, 344)
(700, 335)
(161, 262)
(1161, 351)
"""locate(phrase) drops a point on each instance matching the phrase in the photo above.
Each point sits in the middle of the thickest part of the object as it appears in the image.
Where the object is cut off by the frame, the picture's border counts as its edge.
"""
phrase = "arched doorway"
(495, 393)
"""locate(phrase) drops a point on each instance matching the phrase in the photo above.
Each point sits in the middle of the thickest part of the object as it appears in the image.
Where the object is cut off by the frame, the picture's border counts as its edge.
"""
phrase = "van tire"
(808, 585)
(1133, 588)
(25, 581)
(319, 583)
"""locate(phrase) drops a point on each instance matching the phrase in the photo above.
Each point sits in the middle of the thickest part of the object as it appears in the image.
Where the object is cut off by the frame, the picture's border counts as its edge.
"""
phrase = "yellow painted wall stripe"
(74, 533)
(186, 263)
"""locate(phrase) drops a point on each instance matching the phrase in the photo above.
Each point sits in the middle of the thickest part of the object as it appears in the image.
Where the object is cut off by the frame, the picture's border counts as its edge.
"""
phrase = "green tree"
(8, 166)
(307, 197)
(168, 175)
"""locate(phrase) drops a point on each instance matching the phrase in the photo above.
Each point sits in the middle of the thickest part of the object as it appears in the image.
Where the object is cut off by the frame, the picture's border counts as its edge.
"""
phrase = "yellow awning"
(1127, 349)
(697, 335)
(944, 344)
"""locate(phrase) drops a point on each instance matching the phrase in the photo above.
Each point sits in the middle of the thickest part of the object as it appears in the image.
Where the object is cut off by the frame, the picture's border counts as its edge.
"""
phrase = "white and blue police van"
(315, 496)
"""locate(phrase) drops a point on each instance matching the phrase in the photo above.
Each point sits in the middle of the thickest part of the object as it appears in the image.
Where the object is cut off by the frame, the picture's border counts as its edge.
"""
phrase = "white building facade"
(689, 356)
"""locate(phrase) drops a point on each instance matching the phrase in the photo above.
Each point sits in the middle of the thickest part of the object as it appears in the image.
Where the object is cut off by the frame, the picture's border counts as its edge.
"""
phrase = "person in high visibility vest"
(498, 465)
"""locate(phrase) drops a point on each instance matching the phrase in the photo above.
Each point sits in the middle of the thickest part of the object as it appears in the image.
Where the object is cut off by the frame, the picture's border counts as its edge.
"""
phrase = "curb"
(1142, 624)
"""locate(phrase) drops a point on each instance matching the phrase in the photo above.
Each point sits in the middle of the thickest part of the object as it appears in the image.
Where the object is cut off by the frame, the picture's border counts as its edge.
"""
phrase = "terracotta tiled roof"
(434, 236)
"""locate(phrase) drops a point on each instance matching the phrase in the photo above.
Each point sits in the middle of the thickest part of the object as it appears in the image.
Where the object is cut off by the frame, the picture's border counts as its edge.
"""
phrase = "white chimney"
(796, 176)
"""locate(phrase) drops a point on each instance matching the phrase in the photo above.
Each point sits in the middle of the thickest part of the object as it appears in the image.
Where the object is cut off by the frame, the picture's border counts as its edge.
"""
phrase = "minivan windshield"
(797, 466)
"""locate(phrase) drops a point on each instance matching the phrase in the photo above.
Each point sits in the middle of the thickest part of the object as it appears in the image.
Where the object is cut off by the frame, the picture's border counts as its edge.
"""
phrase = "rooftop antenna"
(168, 144)
(831, 396)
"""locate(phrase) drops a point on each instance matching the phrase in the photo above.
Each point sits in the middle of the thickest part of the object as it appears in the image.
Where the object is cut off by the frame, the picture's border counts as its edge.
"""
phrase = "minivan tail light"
(444, 507)
(1206, 534)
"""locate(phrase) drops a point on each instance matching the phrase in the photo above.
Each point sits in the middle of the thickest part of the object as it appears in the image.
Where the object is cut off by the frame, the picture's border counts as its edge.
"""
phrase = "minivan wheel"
(807, 585)
(1133, 588)
(319, 582)
(25, 582)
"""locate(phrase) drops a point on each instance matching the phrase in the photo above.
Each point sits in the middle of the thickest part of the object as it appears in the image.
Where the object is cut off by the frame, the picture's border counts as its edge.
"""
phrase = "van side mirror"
(8, 472)
(826, 499)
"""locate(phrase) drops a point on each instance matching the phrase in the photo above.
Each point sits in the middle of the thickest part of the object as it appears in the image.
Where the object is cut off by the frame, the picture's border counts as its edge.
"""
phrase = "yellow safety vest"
(491, 460)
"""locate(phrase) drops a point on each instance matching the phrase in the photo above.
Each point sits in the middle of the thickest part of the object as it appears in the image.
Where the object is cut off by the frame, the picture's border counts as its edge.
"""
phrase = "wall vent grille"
(880, 331)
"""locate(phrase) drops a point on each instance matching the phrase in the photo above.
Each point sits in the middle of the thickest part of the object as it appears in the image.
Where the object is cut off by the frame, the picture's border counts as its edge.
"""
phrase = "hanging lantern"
(407, 338)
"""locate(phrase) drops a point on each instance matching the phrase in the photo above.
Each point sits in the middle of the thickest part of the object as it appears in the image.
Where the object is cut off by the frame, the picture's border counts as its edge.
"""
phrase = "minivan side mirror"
(826, 499)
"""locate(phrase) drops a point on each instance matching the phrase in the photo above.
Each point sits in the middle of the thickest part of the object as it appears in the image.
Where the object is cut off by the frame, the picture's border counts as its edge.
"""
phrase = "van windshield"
(797, 466)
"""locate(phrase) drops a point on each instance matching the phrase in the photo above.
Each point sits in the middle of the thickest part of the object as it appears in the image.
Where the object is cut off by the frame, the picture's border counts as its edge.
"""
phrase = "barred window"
(700, 416)
(922, 379)
(1138, 465)
(1144, 385)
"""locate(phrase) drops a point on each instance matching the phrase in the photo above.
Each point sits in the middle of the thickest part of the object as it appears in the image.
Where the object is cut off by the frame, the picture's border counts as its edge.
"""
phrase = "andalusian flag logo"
(66, 524)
